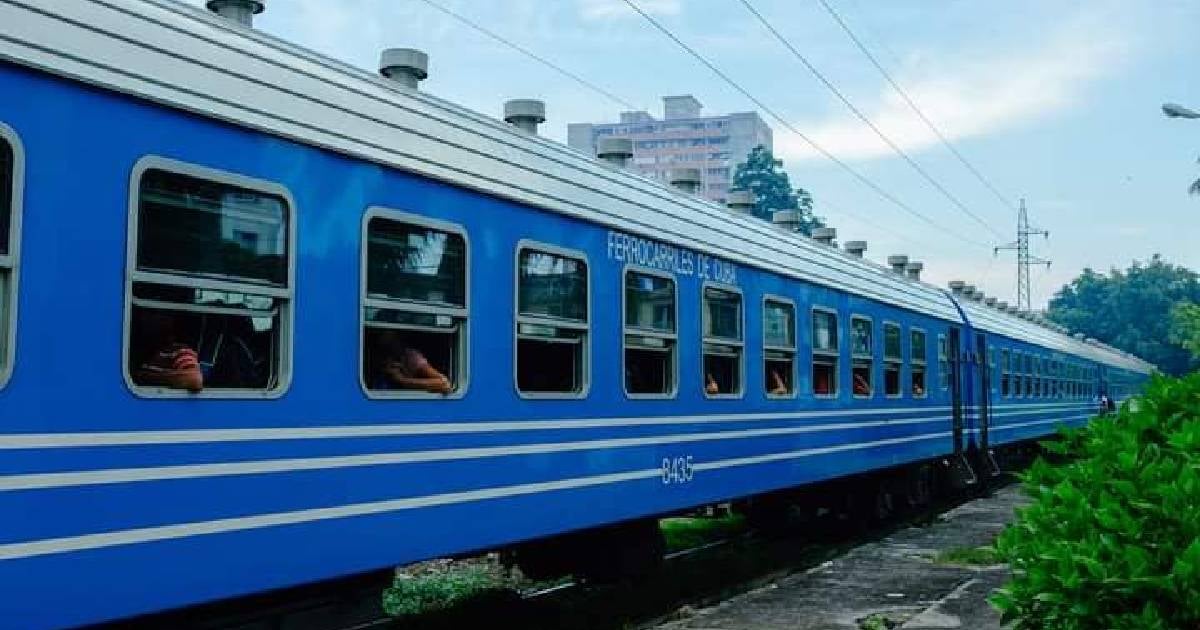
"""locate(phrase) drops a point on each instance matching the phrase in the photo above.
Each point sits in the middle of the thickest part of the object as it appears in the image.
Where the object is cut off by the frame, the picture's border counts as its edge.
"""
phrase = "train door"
(954, 356)
(961, 474)
(985, 463)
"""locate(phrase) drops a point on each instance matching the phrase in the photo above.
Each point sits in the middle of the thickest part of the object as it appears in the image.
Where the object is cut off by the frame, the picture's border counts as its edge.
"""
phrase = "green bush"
(1112, 538)
(423, 594)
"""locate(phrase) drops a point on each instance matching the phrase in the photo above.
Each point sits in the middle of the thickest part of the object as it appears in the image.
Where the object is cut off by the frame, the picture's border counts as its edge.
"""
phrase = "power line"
(913, 105)
(532, 55)
(864, 118)
(779, 119)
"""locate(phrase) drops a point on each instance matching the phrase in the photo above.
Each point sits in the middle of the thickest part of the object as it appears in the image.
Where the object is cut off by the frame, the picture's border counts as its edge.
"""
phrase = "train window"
(651, 360)
(825, 350)
(893, 359)
(943, 363)
(414, 310)
(1037, 377)
(862, 356)
(552, 321)
(917, 352)
(210, 293)
(1027, 370)
(10, 176)
(992, 377)
(1005, 385)
(779, 347)
(722, 326)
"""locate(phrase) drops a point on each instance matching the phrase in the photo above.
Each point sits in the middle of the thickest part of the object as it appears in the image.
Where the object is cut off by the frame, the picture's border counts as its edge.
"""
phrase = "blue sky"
(1054, 101)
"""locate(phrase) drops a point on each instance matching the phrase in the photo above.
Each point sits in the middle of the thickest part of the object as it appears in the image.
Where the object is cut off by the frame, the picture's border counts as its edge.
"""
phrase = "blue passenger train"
(267, 319)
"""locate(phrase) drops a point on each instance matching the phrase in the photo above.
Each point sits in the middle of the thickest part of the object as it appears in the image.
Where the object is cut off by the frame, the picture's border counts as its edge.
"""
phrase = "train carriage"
(612, 349)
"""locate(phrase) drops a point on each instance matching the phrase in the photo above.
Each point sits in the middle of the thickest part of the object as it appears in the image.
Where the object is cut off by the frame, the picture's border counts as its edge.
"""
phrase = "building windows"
(943, 363)
(722, 330)
(650, 334)
(825, 351)
(208, 308)
(1005, 366)
(552, 321)
(862, 357)
(918, 385)
(779, 347)
(414, 308)
(10, 182)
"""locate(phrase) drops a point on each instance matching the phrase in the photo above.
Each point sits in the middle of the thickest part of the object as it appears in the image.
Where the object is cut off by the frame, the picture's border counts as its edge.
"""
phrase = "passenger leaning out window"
(400, 366)
(161, 360)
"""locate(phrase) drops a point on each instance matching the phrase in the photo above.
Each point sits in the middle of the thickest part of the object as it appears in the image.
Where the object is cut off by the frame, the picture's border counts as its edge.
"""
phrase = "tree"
(764, 176)
(1185, 327)
(1131, 310)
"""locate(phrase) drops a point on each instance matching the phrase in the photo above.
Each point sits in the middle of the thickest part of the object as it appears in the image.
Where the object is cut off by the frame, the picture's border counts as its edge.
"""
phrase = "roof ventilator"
(1002, 306)
(406, 66)
(913, 269)
(789, 220)
(956, 286)
(615, 151)
(240, 11)
(855, 248)
(898, 262)
(825, 236)
(685, 179)
(525, 114)
(990, 301)
(740, 201)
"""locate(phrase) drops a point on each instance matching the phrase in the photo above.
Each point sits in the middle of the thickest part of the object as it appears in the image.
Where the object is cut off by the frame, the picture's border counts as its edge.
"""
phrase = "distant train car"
(267, 320)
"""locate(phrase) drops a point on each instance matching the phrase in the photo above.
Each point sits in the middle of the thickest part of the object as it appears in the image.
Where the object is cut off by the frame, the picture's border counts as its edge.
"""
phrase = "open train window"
(210, 291)
(723, 341)
(893, 359)
(992, 377)
(825, 350)
(10, 208)
(1005, 367)
(943, 363)
(414, 306)
(779, 347)
(553, 311)
(651, 335)
(917, 351)
(862, 356)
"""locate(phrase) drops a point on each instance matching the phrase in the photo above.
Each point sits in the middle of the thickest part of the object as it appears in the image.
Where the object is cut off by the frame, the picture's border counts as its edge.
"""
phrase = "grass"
(687, 533)
(423, 594)
(978, 556)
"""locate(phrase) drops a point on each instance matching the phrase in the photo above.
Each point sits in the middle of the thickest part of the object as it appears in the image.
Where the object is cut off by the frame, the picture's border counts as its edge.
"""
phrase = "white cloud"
(971, 97)
(609, 9)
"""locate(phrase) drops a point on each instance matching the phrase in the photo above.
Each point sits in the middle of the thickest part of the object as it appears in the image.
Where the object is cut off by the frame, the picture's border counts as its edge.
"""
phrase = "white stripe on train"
(197, 436)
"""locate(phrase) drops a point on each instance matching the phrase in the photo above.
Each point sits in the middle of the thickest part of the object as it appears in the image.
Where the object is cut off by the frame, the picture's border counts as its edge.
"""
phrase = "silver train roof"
(186, 58)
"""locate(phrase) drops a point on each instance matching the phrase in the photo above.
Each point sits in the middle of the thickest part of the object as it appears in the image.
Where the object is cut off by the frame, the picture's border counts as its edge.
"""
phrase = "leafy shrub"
(415, 595)
(1112, 538)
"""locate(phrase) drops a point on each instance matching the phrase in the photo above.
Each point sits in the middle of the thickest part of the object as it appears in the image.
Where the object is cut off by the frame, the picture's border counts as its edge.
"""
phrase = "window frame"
(835, 354)
(943, 362)
(922, 361)
(1006, 390)
(625, 332)
(741, 364)
(898, 362)
(12, 261)
(586, 368)
(405, 217)
(795, 349)
(286, 294)
(860, 357)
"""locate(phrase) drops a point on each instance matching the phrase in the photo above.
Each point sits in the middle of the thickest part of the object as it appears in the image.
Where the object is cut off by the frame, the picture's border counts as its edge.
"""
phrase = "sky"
(1056, 102)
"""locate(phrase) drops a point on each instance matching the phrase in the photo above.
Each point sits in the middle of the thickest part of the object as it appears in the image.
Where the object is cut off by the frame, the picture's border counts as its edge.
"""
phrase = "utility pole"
(1025, 258)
